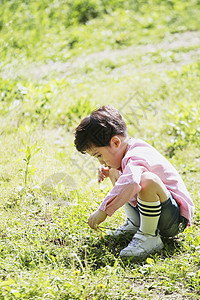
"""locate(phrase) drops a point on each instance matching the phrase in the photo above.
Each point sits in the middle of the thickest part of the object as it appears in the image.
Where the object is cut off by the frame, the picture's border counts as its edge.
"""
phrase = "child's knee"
(149, 180)
(152, 188)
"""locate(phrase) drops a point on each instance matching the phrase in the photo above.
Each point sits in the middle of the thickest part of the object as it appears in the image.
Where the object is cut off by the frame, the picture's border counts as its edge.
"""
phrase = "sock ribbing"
(149, 216)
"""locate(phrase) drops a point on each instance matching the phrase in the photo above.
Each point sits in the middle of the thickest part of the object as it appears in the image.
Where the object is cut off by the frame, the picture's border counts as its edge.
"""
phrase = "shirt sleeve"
(126, 188)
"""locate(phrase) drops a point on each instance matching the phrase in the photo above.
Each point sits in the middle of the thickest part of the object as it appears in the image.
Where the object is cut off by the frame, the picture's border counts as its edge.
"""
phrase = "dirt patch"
(36, 71)
(171, 42)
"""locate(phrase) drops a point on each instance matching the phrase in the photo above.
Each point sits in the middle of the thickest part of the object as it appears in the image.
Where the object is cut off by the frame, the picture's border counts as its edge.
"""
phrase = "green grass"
(29, 30)
(57, 65)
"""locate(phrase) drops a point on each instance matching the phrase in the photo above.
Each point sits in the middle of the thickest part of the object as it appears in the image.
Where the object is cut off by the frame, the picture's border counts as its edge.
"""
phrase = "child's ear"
(115, 141)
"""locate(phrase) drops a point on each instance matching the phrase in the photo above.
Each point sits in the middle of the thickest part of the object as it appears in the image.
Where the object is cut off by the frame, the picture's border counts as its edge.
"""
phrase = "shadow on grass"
(103, 251)
(171, 246)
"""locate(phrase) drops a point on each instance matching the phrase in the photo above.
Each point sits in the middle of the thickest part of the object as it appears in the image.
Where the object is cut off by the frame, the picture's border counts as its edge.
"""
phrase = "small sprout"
(29, 151)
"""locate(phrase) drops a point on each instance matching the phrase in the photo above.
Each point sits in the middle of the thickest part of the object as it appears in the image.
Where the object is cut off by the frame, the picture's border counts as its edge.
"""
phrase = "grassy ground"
(145, 60)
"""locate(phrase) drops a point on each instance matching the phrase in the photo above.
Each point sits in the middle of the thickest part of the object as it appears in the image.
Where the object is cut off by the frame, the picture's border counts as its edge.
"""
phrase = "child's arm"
(99, 216)
(125, 189)
(96, 218)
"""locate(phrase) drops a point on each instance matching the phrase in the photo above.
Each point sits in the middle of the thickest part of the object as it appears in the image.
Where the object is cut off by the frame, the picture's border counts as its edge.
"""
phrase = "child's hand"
(96, 218)
(103, 172)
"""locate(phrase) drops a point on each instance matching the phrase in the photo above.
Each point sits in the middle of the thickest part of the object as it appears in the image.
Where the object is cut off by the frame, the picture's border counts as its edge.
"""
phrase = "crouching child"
(155, 199)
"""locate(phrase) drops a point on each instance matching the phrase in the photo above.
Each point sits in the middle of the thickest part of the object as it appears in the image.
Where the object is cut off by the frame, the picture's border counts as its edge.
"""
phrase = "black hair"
(98, 128)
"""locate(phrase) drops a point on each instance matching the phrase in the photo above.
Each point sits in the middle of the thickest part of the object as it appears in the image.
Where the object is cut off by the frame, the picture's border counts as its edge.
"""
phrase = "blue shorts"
(171, 222)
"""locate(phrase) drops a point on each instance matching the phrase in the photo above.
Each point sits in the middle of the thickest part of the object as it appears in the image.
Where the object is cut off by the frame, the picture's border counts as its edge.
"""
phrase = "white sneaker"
(127, 227)
(142, 245)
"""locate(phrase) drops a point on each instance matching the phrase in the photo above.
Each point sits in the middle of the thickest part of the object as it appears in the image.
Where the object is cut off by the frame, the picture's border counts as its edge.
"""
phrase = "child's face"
(111, 155)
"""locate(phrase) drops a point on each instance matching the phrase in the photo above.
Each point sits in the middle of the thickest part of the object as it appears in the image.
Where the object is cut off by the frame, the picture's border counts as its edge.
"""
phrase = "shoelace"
(134, 242)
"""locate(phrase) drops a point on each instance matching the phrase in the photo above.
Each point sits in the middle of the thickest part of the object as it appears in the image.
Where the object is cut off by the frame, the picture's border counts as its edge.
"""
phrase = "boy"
(154, 197)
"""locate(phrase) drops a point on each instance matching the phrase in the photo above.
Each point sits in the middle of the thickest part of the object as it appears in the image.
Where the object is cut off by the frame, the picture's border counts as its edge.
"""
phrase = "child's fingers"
(104, 171)
(101, 174)
(92, 224)
(100, 178)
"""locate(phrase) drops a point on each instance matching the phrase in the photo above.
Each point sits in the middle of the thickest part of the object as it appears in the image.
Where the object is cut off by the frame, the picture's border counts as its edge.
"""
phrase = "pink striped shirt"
(141, 157)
